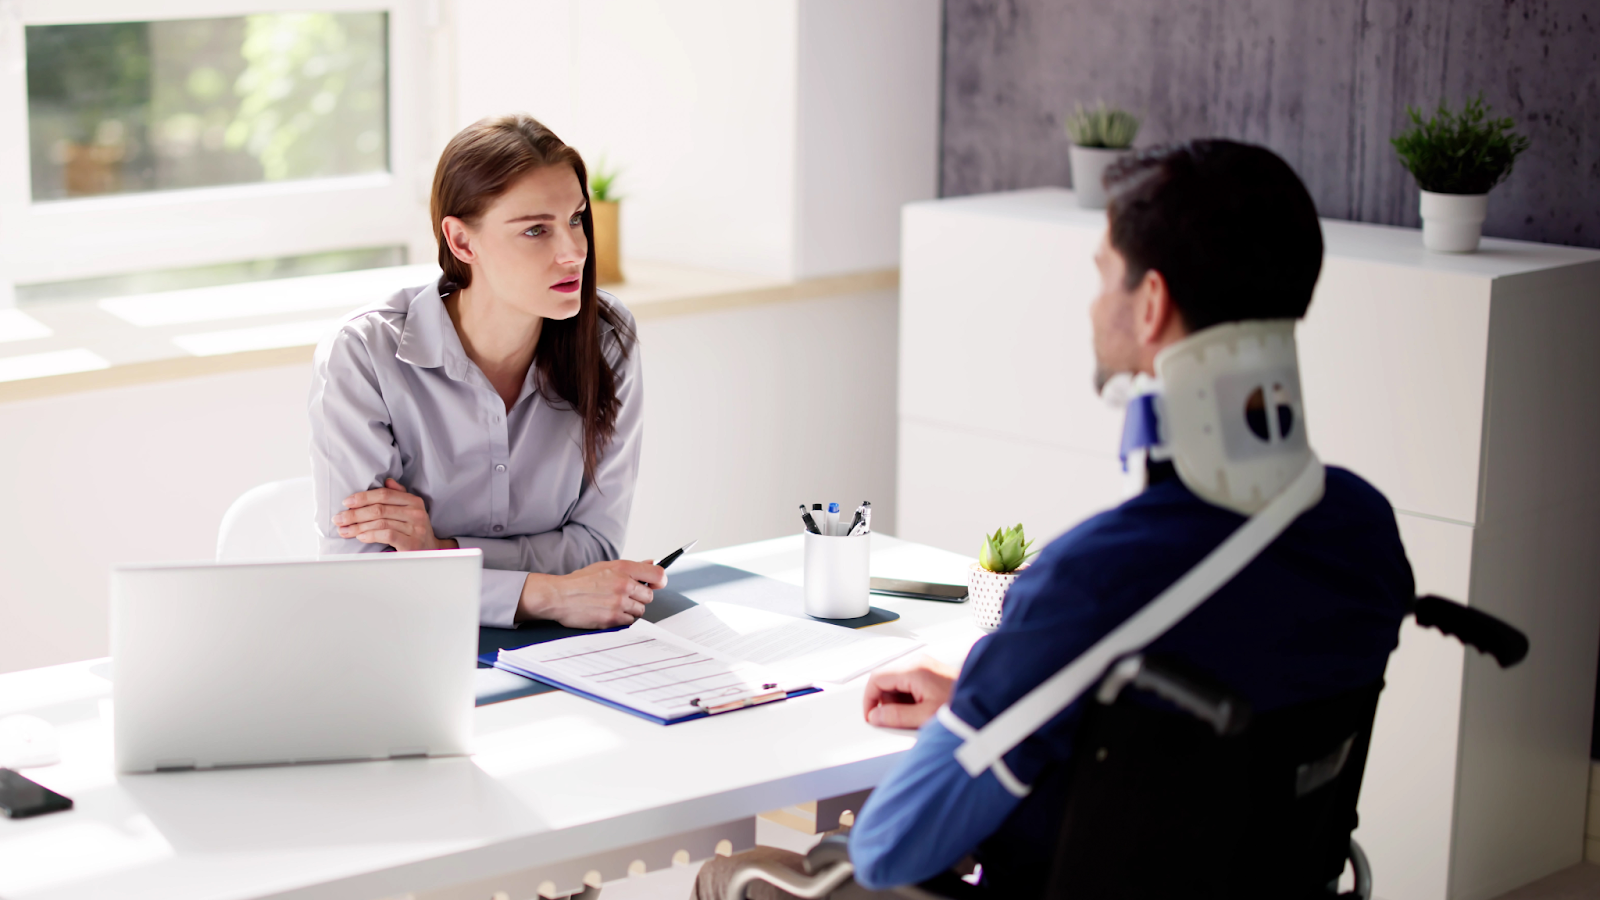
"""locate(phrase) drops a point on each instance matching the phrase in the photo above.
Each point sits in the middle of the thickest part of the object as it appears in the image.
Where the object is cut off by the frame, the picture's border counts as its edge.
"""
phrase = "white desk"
(559, 785)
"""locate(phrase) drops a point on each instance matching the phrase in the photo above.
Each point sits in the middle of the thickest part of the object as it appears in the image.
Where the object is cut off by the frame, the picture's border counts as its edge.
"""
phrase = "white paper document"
(708, 656)
(647, 669)
(794, 648)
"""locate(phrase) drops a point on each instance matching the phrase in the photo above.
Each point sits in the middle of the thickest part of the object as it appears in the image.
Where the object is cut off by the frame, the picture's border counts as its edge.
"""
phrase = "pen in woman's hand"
(672, 557)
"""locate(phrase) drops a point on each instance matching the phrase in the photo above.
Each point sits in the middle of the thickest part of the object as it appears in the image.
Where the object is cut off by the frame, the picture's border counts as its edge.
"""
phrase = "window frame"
(86, 237)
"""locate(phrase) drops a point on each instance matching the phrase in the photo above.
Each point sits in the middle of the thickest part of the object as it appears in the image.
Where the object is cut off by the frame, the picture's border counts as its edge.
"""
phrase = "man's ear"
(1155, 315)
(458, 239)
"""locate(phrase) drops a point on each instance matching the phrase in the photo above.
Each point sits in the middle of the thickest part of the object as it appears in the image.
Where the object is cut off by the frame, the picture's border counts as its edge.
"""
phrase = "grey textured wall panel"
(1324, 84)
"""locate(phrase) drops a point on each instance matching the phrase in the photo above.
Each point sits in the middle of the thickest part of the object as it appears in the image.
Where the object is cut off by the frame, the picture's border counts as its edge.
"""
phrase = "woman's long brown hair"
(480, 164)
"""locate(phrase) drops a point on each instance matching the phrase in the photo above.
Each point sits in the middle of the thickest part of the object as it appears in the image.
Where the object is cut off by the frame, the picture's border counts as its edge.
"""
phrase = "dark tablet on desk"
(920, 590)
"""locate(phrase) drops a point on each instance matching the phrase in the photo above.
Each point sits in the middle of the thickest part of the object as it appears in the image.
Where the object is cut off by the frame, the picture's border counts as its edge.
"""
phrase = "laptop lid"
(367, 656)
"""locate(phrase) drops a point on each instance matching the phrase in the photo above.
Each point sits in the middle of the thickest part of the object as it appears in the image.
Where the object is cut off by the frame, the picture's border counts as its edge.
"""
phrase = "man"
(1199, 235)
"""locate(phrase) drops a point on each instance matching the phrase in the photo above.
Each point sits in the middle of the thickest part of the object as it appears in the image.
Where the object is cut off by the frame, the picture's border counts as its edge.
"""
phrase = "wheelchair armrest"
(1224, 712)
(1472, 627)
(944, 886)
(815, 886)
(832, 849)
(1363, 873)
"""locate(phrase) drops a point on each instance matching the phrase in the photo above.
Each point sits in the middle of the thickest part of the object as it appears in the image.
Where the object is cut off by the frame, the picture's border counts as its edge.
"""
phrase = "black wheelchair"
(1178, 791)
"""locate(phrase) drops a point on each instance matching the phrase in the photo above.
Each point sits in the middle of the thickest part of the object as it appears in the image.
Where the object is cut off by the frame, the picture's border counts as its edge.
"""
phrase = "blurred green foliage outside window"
(125, 107)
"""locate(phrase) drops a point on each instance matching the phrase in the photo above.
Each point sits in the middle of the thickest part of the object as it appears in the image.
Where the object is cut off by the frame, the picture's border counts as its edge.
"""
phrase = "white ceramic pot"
(1453, 223)
(1088, 166)
(986, 594)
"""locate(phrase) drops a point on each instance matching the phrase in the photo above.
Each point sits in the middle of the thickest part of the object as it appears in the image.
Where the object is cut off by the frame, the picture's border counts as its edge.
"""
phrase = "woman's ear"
(459, 239)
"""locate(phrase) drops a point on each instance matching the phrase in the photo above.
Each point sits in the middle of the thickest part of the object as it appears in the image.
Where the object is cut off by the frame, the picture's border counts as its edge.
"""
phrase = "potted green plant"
(1099, 135)
(1456, 158)
(605, 207)
(1003, 557)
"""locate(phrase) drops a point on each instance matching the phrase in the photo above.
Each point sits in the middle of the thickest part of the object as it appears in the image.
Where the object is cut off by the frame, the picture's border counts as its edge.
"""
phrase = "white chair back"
(270, 521)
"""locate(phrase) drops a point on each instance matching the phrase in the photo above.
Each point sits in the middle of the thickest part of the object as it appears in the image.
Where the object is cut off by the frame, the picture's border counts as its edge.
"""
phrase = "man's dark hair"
(1228, 225)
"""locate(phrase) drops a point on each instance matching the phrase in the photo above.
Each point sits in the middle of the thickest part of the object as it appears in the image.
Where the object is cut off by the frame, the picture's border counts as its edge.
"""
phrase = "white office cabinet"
(1463, 387)
(996, 370)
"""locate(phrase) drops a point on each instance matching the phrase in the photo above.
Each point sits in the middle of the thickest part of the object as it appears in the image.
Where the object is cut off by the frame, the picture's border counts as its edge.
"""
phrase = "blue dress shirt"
(394, 395)
(1316, 614)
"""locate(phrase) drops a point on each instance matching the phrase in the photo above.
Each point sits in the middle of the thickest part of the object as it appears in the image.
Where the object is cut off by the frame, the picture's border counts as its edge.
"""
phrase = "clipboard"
(703, 714)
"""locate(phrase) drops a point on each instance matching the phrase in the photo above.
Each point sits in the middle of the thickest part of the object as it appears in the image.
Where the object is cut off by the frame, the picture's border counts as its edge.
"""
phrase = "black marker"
(807, 521)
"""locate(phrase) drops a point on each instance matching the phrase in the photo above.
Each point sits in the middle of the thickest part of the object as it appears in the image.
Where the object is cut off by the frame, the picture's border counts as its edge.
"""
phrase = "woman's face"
(528, 247)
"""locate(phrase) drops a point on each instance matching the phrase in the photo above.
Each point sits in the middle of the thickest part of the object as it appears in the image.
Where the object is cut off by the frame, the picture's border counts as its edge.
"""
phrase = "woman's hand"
(905, 694)
(604, 595)
(389, 515)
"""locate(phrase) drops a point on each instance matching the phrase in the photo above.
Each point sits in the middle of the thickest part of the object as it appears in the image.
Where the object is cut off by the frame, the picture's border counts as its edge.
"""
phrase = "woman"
(500, 407)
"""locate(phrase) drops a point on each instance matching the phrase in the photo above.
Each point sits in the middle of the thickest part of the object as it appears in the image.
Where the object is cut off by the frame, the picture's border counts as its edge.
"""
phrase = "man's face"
(1116, 346)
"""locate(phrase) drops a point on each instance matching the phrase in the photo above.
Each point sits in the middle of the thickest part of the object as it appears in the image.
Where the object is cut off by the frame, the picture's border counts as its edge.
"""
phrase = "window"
(143, 135)
(125, 107)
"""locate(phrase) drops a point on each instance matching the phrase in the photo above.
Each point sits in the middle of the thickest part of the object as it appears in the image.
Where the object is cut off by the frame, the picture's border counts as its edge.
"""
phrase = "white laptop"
(367, 656)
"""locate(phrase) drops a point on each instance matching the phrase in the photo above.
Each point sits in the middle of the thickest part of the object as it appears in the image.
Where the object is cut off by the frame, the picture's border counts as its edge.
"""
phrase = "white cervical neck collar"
(1225, 407)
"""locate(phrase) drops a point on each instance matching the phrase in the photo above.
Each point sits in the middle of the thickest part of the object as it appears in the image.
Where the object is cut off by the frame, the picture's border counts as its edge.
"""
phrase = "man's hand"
(604, 595)
(389, 515)
(906, 693)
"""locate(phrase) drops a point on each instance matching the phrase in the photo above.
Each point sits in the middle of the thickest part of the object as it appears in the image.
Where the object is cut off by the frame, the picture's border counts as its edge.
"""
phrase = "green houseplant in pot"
(1003, 557)
(1456, 158)
(606, 209)
(1099, 135)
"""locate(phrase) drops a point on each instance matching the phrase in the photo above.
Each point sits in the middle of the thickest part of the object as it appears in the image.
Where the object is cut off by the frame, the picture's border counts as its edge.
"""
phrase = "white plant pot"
(1453, 223)
(1089, 164)
(986, 594)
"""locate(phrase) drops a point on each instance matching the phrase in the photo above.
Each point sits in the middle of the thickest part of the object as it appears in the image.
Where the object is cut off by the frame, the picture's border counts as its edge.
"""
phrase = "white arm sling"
(1209, 384)
(988, 745)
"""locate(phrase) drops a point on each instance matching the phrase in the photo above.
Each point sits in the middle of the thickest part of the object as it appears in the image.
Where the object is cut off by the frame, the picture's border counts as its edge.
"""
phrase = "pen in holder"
(837, 577)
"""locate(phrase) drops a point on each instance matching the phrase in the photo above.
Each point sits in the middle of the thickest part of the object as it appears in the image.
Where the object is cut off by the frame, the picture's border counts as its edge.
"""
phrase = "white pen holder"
(838, 579)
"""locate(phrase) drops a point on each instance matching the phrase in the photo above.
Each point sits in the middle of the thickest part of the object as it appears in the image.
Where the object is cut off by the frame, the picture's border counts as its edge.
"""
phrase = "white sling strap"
(985, 748)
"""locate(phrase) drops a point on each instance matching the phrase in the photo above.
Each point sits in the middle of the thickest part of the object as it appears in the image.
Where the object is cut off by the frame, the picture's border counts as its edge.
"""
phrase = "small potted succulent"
(606, 208)
(1003, 557)
(1456, 158)
(1099, 136)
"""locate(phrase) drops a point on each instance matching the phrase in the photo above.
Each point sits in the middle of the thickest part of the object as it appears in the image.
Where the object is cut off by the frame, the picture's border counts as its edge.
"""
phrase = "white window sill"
(70, 346)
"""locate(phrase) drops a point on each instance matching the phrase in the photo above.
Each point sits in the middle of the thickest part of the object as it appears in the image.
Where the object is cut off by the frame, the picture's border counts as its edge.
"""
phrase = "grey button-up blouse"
(393, 395)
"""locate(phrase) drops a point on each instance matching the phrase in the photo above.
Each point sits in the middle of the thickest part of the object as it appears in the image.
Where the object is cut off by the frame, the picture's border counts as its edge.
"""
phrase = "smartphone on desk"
(919, 590)
(22, 797)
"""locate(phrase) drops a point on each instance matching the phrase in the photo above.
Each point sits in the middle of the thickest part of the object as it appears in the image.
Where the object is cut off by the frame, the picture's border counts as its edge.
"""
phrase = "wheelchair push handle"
(1224, 712)
(1472, 627)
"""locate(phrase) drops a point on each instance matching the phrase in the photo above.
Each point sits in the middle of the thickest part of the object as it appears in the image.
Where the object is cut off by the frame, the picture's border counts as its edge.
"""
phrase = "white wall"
(868, 133)
(732, 443)
(740, 427)
(777, 138)
(693, 100)
(127, 475)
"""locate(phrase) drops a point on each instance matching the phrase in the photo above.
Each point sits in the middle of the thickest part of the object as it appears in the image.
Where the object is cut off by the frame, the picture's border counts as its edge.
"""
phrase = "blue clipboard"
(508, 667)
